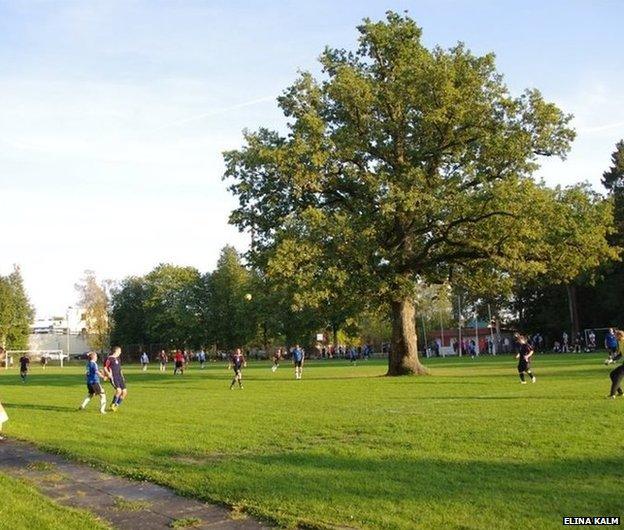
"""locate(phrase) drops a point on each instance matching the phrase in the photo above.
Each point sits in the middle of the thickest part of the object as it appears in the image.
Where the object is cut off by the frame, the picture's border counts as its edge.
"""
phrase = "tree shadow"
(397, 485)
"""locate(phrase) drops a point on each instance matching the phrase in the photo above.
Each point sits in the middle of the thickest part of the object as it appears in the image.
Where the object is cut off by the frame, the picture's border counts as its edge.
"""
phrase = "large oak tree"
(401, 165)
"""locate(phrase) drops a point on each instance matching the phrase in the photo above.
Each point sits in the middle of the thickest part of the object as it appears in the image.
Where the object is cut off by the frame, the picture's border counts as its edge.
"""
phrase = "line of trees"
(595, 297)
(232, 306)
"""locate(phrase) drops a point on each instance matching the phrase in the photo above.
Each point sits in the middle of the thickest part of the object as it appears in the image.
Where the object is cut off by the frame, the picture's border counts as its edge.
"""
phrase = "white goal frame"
(51, 354)
(599, 346)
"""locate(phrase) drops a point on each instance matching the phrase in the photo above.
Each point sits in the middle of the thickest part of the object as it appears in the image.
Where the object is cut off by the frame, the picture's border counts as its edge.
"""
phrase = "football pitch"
(468, 447)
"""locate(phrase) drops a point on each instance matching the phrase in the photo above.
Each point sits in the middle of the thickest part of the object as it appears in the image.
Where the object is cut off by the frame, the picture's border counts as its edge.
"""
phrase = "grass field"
(22, 507)
(468, 447)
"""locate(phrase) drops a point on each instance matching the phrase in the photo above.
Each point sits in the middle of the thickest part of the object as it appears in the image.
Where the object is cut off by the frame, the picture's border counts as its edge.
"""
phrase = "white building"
(51, 333)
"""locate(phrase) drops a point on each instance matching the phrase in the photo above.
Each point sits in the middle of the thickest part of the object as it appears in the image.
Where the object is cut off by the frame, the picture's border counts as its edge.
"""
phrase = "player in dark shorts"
(611, 345)
(179, 361)
(24, 362)
(298, 356)
(617, 375)
(237, 362)
(112, 369)
(94, 388)
(524, 355)
(44, 361)
(277, 357)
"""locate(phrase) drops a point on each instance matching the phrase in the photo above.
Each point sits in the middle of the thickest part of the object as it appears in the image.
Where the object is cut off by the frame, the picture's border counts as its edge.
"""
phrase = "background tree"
(613, 181)
(173, 306)
(129, 324)
(16, 313)
(94, 302)
(233, 321)
(403, 165)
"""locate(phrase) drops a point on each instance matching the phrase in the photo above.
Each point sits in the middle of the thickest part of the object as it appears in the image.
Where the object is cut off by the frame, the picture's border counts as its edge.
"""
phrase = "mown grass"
(24, 508)
(468, 447)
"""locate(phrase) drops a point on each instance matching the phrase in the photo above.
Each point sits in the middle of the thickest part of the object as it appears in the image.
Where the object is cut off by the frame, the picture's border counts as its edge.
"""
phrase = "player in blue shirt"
(237, 362)
(112, 368)
(611, 345)
(93, 383)
(617, 375)
(298, 355)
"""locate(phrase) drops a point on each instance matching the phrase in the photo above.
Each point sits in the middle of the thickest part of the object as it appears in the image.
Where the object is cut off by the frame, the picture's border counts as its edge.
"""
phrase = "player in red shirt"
(179, 363)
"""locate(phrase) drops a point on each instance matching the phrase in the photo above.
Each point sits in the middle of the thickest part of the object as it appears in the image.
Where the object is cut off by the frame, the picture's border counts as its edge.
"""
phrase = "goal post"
(599, 334)
(11, 357)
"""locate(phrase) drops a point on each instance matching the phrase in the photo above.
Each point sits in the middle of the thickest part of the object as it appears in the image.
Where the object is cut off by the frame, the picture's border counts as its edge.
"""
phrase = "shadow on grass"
(31, 406)
(400, 484)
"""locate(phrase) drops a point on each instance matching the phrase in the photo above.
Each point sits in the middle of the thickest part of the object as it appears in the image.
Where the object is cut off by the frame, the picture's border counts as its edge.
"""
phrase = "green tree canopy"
(129, 324)
(233, 321)
(173, 306)
(613, 181)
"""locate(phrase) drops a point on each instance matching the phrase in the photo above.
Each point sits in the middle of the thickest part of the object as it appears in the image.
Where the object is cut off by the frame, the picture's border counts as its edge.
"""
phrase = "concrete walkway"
(124, 503)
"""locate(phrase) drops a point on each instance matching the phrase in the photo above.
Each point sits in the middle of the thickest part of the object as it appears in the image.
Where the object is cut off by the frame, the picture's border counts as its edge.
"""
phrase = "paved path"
(124, 503)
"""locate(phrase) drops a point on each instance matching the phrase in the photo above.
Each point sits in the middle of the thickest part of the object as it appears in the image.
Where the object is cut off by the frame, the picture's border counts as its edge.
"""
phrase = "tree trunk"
(403, 357)
(573, 306)
(265, 334)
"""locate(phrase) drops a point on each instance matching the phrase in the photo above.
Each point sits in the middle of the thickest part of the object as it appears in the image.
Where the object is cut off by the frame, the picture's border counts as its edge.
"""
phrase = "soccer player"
(93, 384)
(525, 352)
(179, 361)
(201, 357)
(611, 345)
(112, 369)
(352, 356)
(237, 362)
(162, 357)
(277, 357)
(44, 361)
(564, 343)
(298, 355)
(617, 375)
(144, 361)
(24, 362)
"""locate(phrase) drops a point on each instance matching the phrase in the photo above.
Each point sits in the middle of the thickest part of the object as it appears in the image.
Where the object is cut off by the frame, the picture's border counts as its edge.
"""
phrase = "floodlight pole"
(459, 327)
(491, 331)
(476, 316)
(441, 329)
(67, 329)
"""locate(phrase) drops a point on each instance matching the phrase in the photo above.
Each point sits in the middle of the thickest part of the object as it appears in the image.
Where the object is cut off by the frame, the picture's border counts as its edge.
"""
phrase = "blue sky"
(114, 114)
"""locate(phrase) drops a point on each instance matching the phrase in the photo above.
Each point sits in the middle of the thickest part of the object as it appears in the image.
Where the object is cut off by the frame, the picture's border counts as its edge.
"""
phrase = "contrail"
(214, 113)
(600, 128)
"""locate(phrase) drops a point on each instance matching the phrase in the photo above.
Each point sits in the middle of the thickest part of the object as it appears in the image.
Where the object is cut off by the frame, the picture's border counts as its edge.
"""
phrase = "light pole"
(491, 331)
(460, 321)
(67, 329)
(476, 318)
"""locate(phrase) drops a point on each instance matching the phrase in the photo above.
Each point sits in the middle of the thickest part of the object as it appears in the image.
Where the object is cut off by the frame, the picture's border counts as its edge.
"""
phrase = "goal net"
(598, 335)
(37, 357)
